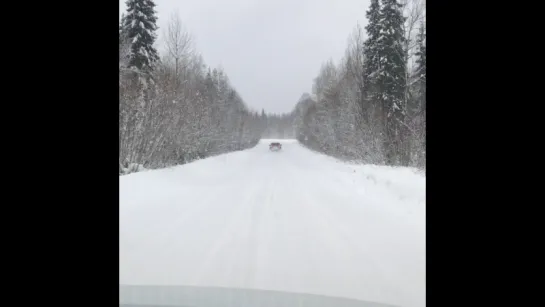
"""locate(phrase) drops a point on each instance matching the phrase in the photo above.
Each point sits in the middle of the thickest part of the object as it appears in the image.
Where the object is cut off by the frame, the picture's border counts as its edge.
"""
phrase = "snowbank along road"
(293, 220)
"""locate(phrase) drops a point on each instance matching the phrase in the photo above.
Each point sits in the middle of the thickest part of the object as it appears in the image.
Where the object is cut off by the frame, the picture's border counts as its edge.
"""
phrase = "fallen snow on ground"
(292, 220)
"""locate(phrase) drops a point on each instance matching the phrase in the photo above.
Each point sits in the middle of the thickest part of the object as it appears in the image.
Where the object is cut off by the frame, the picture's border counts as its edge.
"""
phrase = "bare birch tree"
(179, 47)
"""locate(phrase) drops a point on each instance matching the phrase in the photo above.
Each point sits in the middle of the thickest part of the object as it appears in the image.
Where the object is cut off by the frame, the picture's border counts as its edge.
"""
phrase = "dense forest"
(369, 107)
(173, 108)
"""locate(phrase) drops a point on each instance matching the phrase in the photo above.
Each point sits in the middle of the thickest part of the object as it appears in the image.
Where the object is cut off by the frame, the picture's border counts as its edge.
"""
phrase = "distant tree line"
(278, 126)
(371, 107)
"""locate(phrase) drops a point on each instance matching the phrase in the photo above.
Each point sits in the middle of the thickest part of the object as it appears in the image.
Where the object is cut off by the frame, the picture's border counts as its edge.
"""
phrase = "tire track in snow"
(236, 242)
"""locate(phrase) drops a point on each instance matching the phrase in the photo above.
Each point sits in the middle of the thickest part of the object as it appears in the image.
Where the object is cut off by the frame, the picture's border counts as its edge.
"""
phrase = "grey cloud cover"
(270, 49)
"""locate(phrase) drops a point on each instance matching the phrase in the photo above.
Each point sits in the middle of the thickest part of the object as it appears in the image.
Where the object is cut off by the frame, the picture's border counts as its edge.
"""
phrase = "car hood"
(193, 296)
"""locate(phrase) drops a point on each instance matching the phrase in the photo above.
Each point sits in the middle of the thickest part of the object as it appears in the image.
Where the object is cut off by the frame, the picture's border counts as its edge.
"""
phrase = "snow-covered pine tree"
(371, 53)
(392, 81)
(371, 105)
(140, 26)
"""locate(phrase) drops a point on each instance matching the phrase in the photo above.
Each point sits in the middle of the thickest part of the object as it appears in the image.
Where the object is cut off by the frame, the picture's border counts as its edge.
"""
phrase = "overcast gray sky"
(271, 50)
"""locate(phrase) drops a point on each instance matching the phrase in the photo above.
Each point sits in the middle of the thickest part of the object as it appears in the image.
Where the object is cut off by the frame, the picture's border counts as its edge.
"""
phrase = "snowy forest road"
(292, 220)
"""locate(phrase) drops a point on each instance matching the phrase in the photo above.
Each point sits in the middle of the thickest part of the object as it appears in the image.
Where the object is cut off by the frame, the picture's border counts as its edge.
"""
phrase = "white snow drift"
(292, 220)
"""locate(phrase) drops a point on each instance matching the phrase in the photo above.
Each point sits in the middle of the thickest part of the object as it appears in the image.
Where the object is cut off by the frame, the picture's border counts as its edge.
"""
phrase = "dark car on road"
(274, 146)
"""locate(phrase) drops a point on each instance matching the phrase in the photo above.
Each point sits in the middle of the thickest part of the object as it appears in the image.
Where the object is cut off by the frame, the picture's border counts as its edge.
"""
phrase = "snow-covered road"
(293, 220)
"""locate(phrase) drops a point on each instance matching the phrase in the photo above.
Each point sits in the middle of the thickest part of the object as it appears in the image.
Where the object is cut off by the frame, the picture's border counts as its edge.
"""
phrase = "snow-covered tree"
(124, 47)
(392, 81)
(140, 26)
(420, 71)
(418, 105)
(371, 51)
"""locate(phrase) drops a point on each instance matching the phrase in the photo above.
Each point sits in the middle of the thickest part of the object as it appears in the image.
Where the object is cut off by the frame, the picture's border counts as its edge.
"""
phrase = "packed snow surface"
(292, 220)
